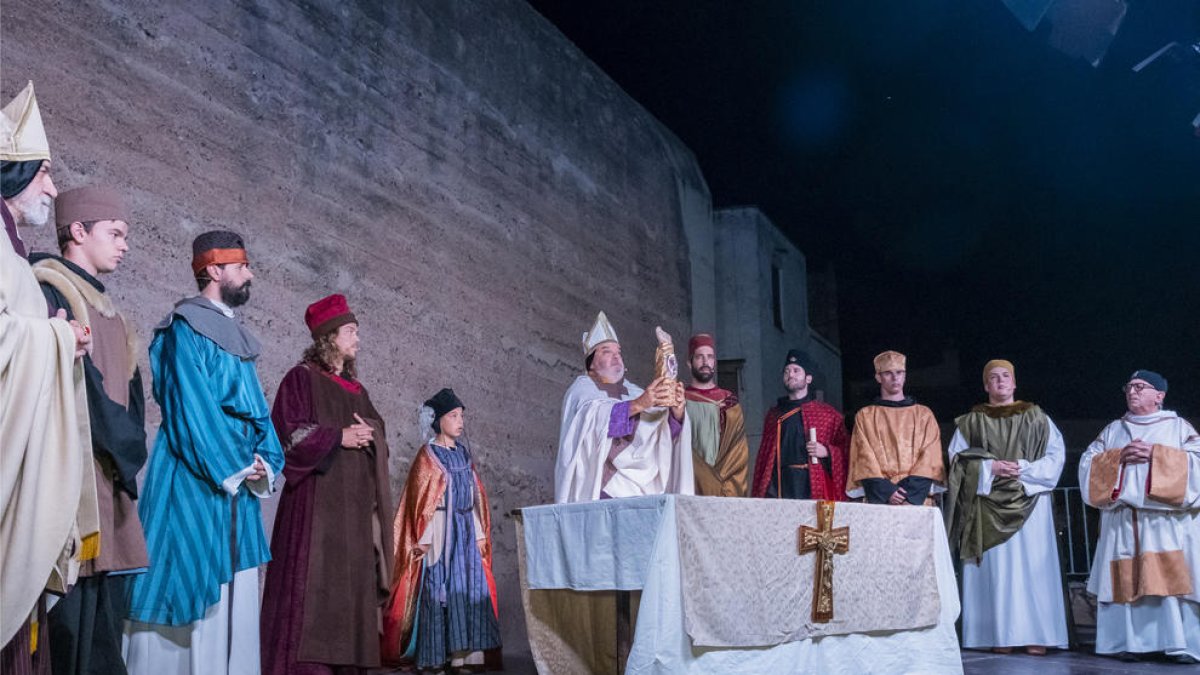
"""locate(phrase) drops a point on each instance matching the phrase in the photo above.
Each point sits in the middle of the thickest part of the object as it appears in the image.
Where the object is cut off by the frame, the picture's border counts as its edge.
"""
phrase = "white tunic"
(653, 463)
(1154, 623)
(1012, 595)
(224, 642)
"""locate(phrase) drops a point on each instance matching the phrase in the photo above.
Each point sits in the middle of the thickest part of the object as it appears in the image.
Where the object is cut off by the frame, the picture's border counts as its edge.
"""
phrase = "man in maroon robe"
(331, 553)
(803, 453)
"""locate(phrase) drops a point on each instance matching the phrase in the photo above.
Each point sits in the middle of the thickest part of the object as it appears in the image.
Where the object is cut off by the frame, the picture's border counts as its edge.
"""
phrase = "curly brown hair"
(324, 352)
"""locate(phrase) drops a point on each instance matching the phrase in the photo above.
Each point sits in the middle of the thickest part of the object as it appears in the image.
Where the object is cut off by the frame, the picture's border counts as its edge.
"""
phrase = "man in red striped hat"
(720, 456)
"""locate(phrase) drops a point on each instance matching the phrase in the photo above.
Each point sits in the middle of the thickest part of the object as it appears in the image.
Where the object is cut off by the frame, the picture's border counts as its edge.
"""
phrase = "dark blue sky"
(974, 187)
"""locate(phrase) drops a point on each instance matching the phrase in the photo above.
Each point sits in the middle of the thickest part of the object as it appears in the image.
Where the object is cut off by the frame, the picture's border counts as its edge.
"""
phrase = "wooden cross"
(825, 541)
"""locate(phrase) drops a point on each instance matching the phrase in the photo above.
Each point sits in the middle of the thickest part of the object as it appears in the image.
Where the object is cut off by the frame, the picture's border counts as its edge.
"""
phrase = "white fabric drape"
(653, 463)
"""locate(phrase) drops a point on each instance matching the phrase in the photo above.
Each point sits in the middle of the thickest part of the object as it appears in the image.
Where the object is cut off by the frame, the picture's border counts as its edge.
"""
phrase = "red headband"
(218, 256)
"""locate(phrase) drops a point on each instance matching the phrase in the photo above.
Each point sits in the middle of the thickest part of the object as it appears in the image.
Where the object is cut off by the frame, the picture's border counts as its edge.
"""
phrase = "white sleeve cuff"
(985, 478)
(262, 488)
(234, 482)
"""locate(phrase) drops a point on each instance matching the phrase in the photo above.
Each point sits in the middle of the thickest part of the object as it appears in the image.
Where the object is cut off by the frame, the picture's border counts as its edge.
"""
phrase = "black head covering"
(797, 357)
(1157, 381)
(216, 239)
(16, 176)
(443, 402)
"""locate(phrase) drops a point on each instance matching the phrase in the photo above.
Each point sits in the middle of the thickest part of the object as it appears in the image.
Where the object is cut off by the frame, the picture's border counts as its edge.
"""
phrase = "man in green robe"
(1005, 458)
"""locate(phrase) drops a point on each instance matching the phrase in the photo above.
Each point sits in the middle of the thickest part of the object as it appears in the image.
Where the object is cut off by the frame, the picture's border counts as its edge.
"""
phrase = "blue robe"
(215, 419)
(455, 610)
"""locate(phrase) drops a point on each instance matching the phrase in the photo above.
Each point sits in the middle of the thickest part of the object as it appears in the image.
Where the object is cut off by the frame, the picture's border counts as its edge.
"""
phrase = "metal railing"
(1079, 527)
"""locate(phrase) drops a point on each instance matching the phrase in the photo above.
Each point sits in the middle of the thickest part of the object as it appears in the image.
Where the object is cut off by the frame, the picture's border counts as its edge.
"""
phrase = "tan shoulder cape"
(895, 443)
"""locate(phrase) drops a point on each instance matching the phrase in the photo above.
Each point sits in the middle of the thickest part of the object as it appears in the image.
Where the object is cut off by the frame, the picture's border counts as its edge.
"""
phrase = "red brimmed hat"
(328, 314)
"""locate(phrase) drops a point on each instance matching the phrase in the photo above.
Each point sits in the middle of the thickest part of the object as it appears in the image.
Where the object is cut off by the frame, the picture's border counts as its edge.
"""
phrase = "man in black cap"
(802, 454)
(197, 608)
(1143, 473)
(86, 625)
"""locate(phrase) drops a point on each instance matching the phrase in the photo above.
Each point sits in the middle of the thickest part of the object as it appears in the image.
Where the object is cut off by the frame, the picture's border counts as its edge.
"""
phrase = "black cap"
(1157, 381)
(217, 239)
(443, 402)
(797, 357)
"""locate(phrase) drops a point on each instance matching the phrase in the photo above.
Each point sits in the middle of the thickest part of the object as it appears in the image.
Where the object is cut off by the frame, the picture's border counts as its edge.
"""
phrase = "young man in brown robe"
(331, 551)
(720, 456)
(86, 625)
(896, 447)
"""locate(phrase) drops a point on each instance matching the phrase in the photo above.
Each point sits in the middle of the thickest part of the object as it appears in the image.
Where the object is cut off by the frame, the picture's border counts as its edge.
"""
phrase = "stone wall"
(748, 247)
(459, 170)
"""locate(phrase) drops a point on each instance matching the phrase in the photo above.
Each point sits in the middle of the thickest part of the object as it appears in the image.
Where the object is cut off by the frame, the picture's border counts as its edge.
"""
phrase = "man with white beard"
(617, 440)
(48, 516)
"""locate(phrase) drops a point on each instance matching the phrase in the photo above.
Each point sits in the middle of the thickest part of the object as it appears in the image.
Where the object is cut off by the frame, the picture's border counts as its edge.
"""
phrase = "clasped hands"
(358, 435)
(660, 393)
(1137, 452)
(1002, 468)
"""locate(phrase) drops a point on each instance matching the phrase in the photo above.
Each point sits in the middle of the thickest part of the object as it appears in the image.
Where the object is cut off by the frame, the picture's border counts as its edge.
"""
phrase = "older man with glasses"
(1143, 473)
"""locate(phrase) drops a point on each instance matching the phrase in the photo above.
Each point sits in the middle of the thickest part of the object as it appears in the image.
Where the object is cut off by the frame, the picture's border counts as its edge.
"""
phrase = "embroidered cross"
(825, 541)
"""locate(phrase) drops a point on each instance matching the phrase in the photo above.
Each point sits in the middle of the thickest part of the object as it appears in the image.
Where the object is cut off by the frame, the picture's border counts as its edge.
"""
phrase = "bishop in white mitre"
(616, 439)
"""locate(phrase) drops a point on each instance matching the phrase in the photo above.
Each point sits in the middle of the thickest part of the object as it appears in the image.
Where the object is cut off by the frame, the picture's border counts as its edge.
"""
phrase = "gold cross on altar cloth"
(825, 541)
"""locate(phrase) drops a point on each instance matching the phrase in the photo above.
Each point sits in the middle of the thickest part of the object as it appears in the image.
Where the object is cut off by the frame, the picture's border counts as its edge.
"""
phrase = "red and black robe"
(783, 469)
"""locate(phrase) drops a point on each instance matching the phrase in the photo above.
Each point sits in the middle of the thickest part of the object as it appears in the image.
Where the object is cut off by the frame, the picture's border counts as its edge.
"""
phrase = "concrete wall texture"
(748, 247)
(474, 185)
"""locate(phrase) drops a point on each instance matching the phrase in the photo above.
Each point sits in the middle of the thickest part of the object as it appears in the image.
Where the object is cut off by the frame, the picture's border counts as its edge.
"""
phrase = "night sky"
(974, 187)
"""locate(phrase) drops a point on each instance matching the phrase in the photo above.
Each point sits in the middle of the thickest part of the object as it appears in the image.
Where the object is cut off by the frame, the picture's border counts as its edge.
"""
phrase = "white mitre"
(602, 331)
(22, 136)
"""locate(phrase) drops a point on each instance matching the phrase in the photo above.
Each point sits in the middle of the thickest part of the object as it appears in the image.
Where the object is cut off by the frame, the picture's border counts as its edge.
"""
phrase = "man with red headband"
(720, 457)
(196, 610)
(87, 623)
(802, 454)
(331, 550)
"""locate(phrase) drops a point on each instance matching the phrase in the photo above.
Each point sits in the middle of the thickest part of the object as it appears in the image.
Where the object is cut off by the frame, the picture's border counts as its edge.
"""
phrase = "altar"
(732, 585)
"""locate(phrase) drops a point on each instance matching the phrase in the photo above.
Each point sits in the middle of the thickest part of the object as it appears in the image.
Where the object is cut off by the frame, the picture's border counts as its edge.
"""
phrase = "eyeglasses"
(1136, 386)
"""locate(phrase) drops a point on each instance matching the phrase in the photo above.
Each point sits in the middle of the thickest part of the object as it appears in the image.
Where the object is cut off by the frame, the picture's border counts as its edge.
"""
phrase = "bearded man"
(197, 609)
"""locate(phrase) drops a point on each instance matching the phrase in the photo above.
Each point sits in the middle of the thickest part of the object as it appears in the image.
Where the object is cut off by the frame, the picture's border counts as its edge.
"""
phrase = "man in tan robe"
(87, 623)
(46, 523)
(896, 448)
(720, 456)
